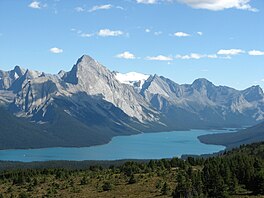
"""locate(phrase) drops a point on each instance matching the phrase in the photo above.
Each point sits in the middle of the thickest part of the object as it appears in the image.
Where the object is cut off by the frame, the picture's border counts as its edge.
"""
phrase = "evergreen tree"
(132, 179)
(165, 190)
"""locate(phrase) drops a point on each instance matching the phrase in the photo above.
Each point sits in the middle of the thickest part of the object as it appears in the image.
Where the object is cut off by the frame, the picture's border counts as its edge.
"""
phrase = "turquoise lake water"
(141, 146)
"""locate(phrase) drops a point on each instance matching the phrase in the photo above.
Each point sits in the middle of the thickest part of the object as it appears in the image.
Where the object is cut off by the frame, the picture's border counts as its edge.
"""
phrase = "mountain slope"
(205, 104)
(90, 104)
(19, 133)
(234, 139)
(92, 78)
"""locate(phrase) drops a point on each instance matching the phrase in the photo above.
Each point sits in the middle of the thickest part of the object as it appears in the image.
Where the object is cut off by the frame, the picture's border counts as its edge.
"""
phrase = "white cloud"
(181, 34)
(159, 58)
(86, 35)
(56, 50)
(126, 55)
(216, 5)
(147, 30)
(79, 9)
(36, 5)
(191, 56)
(119, 7)
(212, 56)
(101, 7)
(230, 51)
(147, 1)
(107, 32)
(200, 33)
(262, 80)
(196, 56)
(256, 53)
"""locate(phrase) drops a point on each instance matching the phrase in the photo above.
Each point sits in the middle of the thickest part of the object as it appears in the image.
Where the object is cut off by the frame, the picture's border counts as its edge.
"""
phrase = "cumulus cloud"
(212, 56)
(107, 32)
(181, 34)
(200, 33)
(216, 5)
(147, 30)
(159, 58)
(36, 5)
(56, 50)
(229, 52)
(79, 9)
(126, 55)
(191, 56)
(147, 1)
(101, 7)
(196, 56)
(256, 53)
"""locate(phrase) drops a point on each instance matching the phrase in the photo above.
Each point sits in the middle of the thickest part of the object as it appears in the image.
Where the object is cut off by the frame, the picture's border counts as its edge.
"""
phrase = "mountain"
(90, 104)
(202, 104)
(7, 78)
(234, 139)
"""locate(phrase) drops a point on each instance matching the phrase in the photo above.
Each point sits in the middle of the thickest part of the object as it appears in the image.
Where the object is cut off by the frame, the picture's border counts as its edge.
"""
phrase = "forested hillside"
(237, 173)
(234, 139)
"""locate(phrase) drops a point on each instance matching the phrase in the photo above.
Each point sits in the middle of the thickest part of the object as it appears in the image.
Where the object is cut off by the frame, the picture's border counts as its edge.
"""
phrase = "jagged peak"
(61, 73)
(254, 89)
(19, 70)
(86, 62)
(85, 58)
(32, 74)
(85, 68)
(200, 82)
(153, 78)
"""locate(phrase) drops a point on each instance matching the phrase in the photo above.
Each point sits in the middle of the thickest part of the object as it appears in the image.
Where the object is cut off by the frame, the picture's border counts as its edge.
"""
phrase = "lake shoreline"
(141, 146)
(107, 142)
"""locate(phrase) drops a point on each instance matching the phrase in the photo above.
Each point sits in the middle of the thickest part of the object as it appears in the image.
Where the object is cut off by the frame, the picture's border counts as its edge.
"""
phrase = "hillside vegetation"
(237, 173)
(234, 139)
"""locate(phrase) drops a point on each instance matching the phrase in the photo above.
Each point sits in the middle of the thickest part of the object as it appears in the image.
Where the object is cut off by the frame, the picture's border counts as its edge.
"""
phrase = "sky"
(221, 40)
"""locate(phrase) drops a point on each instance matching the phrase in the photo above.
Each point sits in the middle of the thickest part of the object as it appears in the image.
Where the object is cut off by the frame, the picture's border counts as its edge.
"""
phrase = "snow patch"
(132, 78)
(16, 76)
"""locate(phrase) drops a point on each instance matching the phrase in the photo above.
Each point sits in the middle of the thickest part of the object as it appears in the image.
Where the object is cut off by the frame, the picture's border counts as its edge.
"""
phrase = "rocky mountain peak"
(201, 82)
(87, 63)
(86, 70)
(19, 70)
(85, 58)
(253, 93)
(203, 86)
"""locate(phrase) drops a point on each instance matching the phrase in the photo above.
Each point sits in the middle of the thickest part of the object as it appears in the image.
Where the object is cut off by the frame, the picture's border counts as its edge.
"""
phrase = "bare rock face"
(205, 100)
(9, 77)
(91, 89)
(91, 77)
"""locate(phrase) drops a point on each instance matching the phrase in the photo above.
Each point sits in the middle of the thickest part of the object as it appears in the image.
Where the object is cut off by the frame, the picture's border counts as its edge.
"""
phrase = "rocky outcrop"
(92, 98)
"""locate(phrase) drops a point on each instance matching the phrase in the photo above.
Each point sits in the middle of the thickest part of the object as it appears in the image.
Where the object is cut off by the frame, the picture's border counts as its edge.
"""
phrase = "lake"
(141, 146)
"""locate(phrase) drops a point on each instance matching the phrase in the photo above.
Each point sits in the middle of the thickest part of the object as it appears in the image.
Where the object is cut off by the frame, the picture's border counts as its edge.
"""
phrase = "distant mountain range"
(90, 104)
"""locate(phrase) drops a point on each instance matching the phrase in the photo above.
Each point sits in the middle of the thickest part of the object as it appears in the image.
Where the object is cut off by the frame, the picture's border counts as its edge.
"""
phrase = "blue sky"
(221, 40)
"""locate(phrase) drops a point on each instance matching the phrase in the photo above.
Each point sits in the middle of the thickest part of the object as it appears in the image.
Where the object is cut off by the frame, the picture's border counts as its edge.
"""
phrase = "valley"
(88, 106)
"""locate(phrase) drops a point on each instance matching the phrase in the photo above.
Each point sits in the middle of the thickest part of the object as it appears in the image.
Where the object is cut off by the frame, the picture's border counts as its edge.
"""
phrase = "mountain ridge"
(91, 95)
